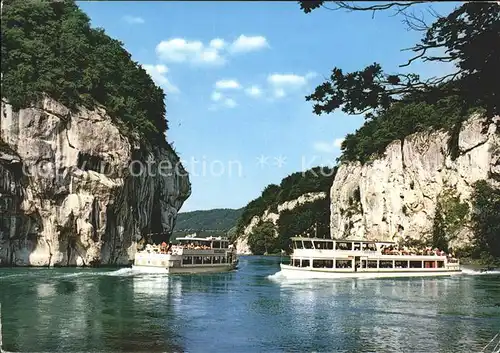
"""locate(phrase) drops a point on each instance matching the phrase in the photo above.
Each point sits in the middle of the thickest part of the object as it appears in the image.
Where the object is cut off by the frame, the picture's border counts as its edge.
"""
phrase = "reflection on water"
(431, 315)
(68, 310)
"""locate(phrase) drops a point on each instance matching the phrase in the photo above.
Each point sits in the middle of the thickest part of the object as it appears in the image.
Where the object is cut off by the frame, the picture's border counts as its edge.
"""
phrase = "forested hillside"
(219, 219)
(292, 222)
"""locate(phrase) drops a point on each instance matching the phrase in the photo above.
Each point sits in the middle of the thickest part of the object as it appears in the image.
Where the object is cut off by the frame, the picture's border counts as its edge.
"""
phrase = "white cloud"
(133, 19)
(279, 93)
(217, 43)
(253, 91)
(282, 84)
(221, 101)
(180, 50)
(216, 96)
(328, 147)
(286, 80)
(227, 84)
(159, 74)
(245, 44)
(230, 103)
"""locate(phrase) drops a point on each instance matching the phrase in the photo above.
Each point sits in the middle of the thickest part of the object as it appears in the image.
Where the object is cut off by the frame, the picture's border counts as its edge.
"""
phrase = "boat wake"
(122, 272)
(472, 272)
(277, 277)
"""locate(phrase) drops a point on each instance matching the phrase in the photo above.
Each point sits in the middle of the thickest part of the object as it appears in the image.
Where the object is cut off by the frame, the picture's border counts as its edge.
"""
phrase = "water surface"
(76, 310)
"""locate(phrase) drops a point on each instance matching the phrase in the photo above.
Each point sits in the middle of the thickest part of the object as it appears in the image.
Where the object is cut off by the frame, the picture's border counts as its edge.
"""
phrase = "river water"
(249, 310)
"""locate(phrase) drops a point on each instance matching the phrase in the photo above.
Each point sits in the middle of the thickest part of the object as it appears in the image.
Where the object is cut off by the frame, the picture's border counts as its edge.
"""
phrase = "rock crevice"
(67, 195)
(400, 190)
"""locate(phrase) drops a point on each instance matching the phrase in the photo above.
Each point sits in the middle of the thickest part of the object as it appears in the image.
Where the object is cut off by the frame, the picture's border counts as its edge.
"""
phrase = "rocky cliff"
(74, 190)
(397, 194)
(241, 243)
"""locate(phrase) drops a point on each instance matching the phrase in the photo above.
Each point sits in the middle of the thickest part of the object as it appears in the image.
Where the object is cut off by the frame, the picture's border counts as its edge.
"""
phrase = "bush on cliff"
(486, 222)
(293, 186)
(309, 219)
(262, 239)
(49, 48)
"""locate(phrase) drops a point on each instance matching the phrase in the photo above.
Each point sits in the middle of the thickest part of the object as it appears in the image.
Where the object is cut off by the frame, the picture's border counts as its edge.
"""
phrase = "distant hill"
(216, 220)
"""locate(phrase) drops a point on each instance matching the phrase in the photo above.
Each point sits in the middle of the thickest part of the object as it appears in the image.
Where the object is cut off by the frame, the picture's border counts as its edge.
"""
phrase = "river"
(249, 310)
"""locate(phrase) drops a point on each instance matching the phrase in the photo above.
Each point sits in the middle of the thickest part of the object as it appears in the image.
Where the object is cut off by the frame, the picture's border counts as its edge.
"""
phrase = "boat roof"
(344, 240)
(203, 239)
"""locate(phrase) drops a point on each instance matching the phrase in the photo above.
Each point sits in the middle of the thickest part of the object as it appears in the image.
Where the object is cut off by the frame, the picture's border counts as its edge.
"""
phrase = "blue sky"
(236, 75)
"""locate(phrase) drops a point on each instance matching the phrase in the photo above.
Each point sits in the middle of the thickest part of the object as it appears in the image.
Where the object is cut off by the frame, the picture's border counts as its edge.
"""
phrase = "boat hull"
(184, 270)
(292, 272)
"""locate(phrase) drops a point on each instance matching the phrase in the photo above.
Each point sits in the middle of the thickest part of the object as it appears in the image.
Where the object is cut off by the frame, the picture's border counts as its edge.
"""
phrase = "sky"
(236, 75)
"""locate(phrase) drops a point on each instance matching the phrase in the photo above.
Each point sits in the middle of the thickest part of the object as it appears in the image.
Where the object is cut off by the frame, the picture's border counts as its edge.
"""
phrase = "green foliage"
(309, 219)
(399, 121)
(463, 36)
(486, 222)
(439, 239)
(263, 239)
(455, 212)
(219, 219)
(451, 217)
(397, 105)
(293, 186)
(49, 48)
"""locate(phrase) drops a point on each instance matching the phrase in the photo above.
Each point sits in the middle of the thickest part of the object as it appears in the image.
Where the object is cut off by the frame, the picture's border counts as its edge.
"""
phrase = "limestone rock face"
(396, 195)
(72, 190)
(242, 246)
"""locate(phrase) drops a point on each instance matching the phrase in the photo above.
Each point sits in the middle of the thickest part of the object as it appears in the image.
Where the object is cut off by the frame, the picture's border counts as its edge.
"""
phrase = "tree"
(486, 221)
(262, 240)
(465, 37)
(439, 239)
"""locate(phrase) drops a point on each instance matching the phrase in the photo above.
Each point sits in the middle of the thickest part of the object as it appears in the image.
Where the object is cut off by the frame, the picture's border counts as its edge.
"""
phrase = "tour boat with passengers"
(190, 255)
(338, 258)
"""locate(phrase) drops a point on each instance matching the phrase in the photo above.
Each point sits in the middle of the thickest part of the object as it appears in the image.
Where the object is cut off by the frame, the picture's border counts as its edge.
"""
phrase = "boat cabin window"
(217, 259)
(308, 244)
(356, 246)
(369, 247)
(187, 260)
(323, 263)
(371, 264)
(323, 245)
(297, 244)
(343, 246)
(429, 264)
(343, 264)
(440, 264)
(385, 264)
(296, 262)
(198, 260)
(305, 263)
(223, 259)
(415, 264)
(207, 259)
(401, 264)
(216, 245)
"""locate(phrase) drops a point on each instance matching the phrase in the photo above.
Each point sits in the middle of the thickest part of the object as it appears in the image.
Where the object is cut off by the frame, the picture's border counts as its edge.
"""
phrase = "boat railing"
(493, 346)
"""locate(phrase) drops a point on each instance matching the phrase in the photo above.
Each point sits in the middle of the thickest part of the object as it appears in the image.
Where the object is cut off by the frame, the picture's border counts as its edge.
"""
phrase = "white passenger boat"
(191, 255)
(338, 258)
